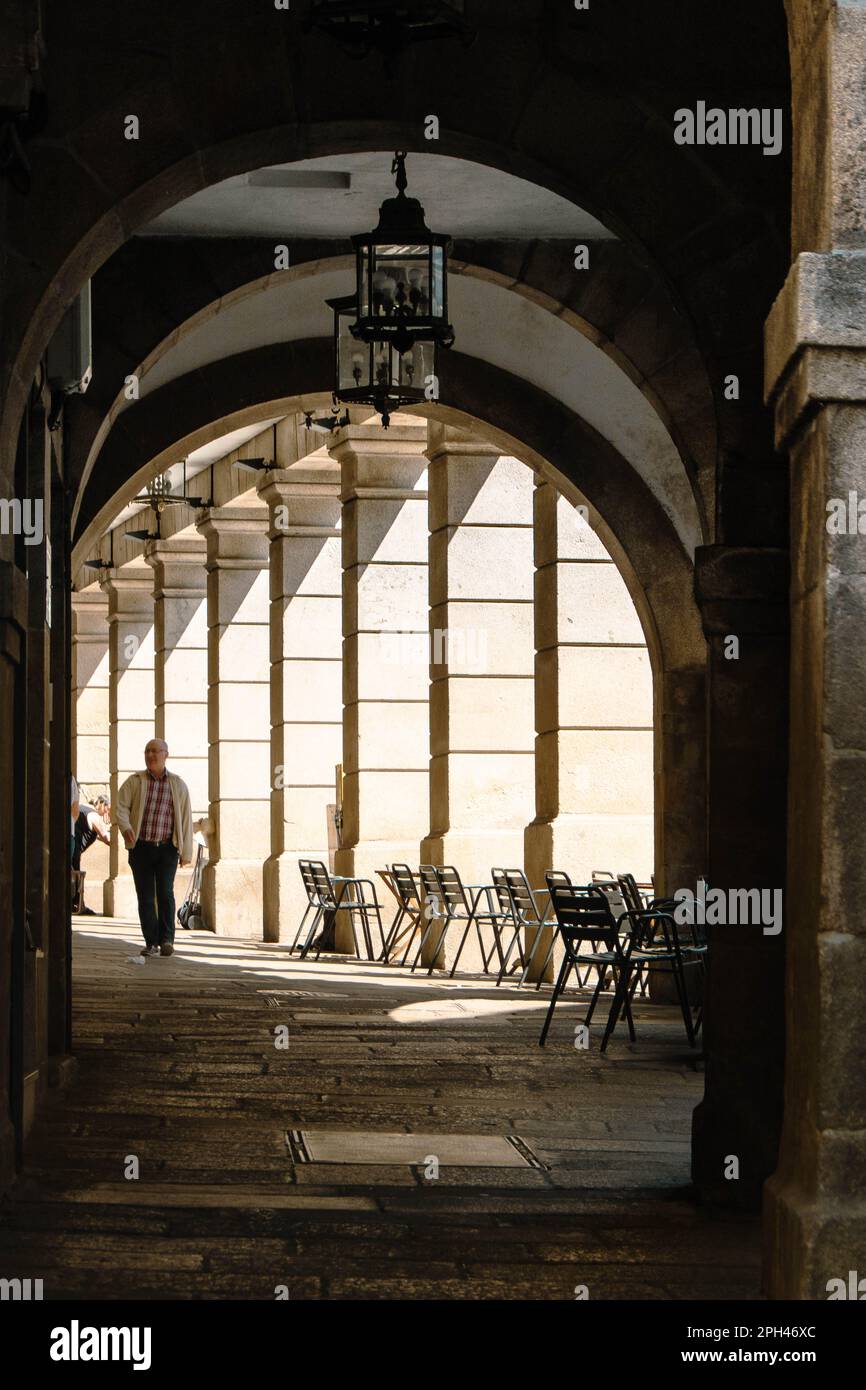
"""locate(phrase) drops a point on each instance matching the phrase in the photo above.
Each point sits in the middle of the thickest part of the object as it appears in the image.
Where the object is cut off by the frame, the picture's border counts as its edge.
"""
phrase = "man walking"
(154, 815)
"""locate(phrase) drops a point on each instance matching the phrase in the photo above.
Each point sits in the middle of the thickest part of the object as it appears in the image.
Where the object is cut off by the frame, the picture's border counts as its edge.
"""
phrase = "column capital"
(447, 441)
(742, 589)
(310, 498)
(237, 537)
(89, 615)
(129, 589)
(815, 347)
(381, 464)
(178, 564)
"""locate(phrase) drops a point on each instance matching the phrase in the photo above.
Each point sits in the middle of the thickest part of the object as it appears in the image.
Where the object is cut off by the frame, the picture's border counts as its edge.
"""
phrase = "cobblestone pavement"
(179, 1066)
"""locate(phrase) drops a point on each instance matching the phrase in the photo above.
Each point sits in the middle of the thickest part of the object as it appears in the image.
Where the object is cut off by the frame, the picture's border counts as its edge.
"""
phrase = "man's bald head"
(155, 754)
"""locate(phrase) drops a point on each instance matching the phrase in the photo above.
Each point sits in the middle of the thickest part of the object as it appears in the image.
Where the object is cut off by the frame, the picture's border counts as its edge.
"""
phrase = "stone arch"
(622, 310)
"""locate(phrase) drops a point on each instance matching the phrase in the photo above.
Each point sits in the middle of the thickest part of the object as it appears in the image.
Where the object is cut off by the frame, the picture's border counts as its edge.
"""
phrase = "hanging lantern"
(402, 275)
(379, 373)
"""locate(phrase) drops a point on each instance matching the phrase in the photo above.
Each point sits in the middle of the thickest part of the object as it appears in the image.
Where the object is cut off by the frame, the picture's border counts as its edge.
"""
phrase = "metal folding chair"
(528, 909)
(409, 906)
(656, 945)
(585, 919)
(314, 901)
(337, 894)
(460, 903)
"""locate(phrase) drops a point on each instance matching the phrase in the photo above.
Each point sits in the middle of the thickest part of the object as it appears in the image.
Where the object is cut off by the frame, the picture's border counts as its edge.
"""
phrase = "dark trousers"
(153, 870)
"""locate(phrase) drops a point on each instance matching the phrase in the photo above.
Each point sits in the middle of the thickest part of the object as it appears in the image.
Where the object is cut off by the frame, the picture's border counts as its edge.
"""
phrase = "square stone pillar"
(594, 707)
(481, 653)
(815, 1203)
(306, 679)
(130, 709)
(385, 670)
(239, 717)
(90, 721)
(481, 701)
(180, 658)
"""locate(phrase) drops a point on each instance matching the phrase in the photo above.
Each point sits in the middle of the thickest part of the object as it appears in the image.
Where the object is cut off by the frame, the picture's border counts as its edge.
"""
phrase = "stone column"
(130, 709)
(239, 719)
(180, 657)
(594, 707)
(91, 721)
(306, 679)
(814, 1204)
(481, 695)
(385, 670)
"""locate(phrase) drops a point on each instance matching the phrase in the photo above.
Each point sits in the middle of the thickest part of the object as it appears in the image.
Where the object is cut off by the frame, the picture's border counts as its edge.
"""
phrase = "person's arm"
(76, 802)
(123, 812)
(186, 839)
(95, 821)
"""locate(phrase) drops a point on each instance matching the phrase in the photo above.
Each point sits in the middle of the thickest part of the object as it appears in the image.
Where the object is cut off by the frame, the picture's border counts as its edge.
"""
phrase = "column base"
(285, 898)
(474, 855)
(809, 1241)
(119, 897)
(7, 1148)
(363, 861)
(579, 844)
(231, 898)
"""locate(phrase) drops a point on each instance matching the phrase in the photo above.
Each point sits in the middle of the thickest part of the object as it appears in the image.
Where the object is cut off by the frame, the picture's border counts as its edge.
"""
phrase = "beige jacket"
(130, 809)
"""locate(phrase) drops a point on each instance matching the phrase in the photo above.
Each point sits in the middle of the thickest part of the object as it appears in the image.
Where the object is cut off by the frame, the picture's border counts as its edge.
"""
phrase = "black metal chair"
(453, 901)
(655, 944)
(315, 903)
(584, 920)
(334, 894)
(529, 911)
(409, 906)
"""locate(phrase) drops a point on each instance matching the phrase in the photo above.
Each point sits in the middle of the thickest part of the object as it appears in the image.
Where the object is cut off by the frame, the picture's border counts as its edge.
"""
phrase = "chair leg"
(515, 940)
(300, 928)
(439, 942)
(320, 912)
(393, 933)
(557, 991)
(459, 951)
(679, 980)
(620, 994)
(422, 943)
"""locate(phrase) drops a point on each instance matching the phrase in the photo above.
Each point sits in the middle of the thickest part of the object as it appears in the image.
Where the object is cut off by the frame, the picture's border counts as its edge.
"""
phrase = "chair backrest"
(323, 886)
(557, 876)
(499, 879)
(582, 914)
(631, 893)
(404, 882)
(522, 896)
(615, 896)
(430, 884)
(603, 876)
(309, 880)
(451, 888)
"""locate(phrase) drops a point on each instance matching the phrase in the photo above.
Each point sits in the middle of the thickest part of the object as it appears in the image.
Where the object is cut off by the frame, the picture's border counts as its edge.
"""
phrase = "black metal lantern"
(378, 372)
(402, 275)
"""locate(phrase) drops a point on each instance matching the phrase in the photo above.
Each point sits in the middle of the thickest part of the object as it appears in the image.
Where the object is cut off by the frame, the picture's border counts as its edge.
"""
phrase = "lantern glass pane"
(401, 281)
(438, 281)
(381, 354)
(414, 367)
(363, 281)
(353, 359)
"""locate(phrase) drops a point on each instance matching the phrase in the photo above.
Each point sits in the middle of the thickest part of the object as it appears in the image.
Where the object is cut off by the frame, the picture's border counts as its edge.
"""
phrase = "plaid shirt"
(157, 822)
